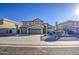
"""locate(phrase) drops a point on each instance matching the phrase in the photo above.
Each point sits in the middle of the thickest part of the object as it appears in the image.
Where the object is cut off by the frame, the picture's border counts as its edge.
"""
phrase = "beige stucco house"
(8, 26)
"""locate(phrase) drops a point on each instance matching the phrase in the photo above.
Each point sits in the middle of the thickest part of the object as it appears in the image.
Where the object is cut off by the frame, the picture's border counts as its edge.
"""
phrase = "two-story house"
(70, 24)
(32, 26)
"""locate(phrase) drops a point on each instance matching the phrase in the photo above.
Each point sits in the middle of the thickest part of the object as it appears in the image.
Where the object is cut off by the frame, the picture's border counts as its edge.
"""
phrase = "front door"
(10, 31)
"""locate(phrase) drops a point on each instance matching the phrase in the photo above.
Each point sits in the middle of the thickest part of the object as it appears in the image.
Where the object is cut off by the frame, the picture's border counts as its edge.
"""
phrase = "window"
(25, 23)
(75, 23)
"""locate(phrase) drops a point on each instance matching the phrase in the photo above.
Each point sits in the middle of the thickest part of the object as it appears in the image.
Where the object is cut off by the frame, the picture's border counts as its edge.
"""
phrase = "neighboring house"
(32, 26)
(71, 25)
(8, 26)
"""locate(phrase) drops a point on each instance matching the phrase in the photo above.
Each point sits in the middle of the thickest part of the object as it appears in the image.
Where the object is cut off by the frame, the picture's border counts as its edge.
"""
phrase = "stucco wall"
(69, 25)
(65, 24)
(7, 24)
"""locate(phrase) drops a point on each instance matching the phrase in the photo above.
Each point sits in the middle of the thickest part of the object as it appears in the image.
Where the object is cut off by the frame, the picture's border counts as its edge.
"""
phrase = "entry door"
(10, 31)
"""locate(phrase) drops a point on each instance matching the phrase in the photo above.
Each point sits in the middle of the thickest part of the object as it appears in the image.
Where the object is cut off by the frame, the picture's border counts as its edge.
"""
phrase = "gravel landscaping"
(39, 51)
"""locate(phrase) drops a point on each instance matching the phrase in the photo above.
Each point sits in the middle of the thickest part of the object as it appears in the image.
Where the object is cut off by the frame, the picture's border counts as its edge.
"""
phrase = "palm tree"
(17, 30)
(56, 25)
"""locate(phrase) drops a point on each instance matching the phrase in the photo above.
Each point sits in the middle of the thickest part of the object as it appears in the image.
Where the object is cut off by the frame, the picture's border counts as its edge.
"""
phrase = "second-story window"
(75, 23)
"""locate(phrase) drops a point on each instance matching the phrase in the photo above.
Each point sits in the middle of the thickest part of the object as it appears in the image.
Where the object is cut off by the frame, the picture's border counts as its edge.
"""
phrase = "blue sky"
(48, 12)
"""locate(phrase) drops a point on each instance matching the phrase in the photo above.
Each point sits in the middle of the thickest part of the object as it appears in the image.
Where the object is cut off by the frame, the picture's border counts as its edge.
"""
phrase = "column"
(27, 30)
(8, 31)
(20, 31)
(41, 30)
(46, 30)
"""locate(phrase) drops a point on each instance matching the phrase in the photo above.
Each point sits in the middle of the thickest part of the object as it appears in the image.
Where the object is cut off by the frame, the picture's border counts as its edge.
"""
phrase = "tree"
(56, 25)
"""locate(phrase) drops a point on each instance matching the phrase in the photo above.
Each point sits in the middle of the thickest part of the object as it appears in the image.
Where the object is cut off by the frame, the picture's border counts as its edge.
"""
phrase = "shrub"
(59, 32)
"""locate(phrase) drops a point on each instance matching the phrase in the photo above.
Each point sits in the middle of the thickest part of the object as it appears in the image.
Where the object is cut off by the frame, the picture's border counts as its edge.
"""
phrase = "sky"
(49, 13)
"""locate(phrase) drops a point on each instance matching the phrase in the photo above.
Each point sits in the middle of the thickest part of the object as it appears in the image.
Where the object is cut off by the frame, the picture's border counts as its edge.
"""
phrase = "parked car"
(50, 38)
(53, 36)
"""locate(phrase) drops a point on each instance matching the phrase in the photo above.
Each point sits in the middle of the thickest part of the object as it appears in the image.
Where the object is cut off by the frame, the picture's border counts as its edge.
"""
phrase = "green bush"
(59, 32)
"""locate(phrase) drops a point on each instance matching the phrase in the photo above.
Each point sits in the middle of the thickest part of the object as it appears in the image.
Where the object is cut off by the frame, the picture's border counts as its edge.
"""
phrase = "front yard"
(34, 40)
